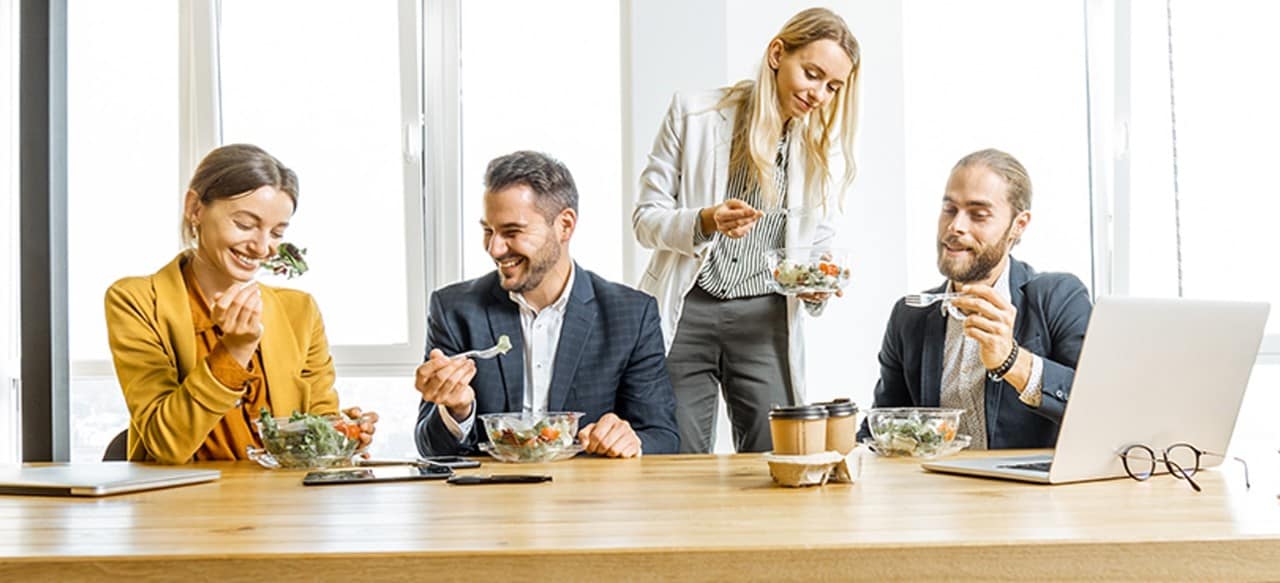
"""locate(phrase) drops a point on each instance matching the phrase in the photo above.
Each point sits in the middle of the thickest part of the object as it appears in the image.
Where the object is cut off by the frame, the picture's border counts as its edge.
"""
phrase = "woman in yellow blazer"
(200, 347)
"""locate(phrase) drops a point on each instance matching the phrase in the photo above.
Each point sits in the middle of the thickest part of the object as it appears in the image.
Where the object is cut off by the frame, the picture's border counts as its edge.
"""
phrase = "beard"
(537, 266)
(985, 259)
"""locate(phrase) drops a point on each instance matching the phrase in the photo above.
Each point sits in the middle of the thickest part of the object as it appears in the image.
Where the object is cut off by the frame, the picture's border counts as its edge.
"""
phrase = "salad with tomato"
(794, 277)
(526, 437)
(303, 440)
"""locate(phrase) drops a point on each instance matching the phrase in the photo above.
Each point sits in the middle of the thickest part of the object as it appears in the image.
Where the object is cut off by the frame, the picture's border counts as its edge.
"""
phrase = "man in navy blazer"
(1007, 351)
(578, 341)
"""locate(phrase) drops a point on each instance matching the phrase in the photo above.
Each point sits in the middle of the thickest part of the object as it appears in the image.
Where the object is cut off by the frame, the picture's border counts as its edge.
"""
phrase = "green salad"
(306, 441)
(911, 436)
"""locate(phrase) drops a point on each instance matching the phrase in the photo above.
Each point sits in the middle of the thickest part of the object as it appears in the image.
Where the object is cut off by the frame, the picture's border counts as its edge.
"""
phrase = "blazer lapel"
(575, 333)
(1018, 278)
(504, 318)
(173, 311)
(723, 142)
(280, 355)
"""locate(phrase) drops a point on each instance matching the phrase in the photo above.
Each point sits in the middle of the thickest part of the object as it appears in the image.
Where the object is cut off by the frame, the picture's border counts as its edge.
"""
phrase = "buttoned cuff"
(1030, 394)
(226, 370)
(458, 429)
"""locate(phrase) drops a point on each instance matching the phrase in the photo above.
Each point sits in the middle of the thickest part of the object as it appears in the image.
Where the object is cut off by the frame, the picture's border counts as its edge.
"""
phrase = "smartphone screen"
(371, 474)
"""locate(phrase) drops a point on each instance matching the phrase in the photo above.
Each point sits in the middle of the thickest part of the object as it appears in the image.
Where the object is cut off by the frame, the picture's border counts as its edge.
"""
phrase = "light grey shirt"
(964, 376)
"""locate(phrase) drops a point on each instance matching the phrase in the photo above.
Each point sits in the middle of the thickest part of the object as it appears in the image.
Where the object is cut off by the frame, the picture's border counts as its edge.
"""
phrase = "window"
(335, 112)
(122, 185)
(1225, 123)
(560, 93)
(973, 81)
(10, 368)
(1198, 210)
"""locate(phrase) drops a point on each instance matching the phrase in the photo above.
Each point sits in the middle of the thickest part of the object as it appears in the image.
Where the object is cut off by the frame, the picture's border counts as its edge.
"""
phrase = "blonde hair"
(758, 124)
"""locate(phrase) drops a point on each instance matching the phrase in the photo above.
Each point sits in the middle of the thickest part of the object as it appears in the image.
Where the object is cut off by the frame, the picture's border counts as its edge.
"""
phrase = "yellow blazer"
(173, 399)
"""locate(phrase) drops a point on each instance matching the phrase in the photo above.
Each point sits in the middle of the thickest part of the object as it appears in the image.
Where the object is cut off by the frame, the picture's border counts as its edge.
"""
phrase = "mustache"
(953, 242)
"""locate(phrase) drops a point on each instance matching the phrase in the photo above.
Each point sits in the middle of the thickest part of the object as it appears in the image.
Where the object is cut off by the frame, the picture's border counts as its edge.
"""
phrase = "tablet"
(372, 474)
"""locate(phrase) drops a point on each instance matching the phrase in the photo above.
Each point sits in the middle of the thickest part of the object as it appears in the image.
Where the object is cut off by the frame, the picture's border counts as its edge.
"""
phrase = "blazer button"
(1059, 394)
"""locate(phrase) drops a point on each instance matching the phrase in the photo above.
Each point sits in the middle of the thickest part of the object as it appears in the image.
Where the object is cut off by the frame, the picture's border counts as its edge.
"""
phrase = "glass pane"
(522, 100)
(317, 84)
(122, 186)
(122, 156)
(98, 413)
(972, 81)
(1224, 152)
(396, 403)
(10, 368)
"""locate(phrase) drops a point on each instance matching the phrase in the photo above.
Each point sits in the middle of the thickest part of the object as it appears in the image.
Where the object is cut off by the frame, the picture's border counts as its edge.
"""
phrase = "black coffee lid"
(801, 412)
(842, 407)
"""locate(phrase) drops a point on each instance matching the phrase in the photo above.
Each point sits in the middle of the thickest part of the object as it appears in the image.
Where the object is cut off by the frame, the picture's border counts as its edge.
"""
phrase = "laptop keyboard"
(1033, 466)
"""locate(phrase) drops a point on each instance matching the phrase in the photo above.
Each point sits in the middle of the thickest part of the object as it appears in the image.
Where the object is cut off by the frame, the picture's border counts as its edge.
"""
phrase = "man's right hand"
(733, 218)
(447, 382)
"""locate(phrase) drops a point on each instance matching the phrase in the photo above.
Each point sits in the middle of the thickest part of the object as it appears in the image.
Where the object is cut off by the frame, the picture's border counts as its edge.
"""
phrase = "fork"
(923, 299)
(503, 345)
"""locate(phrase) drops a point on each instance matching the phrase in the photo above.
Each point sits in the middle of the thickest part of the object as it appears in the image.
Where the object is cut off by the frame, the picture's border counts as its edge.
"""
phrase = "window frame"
(201, 130)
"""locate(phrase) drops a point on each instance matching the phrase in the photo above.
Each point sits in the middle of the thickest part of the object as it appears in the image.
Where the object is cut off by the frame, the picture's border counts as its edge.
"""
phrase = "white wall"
(702, 45)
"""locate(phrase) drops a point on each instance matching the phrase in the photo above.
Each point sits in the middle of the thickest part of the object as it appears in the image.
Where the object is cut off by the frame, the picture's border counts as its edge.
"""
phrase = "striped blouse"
(736, 268)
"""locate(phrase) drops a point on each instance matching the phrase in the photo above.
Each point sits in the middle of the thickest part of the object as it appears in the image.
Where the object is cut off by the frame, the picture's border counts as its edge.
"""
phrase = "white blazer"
(687, 171)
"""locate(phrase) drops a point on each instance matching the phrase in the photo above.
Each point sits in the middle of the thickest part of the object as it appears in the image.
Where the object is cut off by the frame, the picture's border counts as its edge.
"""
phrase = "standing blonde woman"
(735, 172)
(200, 347)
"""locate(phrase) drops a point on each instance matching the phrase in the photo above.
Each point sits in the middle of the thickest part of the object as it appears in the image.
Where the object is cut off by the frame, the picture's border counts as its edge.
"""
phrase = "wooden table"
(687, 517)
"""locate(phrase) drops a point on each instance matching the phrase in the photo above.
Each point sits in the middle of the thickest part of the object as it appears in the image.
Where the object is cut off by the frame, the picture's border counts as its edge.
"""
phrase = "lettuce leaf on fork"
(287, 261)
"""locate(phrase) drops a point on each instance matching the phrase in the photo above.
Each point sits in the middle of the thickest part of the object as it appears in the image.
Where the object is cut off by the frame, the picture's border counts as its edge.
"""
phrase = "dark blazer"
(610, 359)
(1053, 312)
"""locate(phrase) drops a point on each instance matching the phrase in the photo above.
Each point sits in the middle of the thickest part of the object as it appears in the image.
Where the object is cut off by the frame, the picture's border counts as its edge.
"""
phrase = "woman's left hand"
(367, 423)
(819, 297)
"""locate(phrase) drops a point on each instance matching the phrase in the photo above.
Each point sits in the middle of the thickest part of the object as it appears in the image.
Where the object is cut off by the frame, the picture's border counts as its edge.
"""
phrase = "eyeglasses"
(1181, 459)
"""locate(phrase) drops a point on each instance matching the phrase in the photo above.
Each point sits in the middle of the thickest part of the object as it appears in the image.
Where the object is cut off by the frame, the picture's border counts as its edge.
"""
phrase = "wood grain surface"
(658, 517)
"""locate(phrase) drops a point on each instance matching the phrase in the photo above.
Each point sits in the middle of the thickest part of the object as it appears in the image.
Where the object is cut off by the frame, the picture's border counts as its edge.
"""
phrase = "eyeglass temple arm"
(1243, 464)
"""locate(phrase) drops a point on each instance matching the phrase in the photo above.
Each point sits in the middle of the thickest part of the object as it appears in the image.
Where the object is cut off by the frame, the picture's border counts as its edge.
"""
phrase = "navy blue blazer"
(1053, 312)
(610, 359)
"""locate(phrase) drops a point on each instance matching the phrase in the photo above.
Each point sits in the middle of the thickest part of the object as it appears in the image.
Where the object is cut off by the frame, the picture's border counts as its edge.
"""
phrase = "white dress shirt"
(541, 330)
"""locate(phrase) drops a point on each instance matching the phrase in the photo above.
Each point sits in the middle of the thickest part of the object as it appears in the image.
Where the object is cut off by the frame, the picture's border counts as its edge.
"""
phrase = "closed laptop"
(95, 479)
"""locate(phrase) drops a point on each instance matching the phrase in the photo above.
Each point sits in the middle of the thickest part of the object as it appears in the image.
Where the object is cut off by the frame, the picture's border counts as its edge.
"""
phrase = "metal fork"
(923, 299)
(503, 345)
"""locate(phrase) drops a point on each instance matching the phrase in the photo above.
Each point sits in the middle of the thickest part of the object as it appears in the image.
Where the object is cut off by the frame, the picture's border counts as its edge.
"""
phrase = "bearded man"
(578, 342)
(1005, 347)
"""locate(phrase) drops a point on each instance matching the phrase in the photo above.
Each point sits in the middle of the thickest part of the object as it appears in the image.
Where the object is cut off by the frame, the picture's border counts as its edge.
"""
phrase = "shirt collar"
(558, 305)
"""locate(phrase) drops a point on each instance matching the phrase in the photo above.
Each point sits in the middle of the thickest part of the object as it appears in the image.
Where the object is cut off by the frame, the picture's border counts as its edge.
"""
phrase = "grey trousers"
(737, 348)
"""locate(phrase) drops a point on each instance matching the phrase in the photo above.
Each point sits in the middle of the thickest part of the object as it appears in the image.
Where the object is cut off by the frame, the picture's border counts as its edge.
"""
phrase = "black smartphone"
(365, 475)
(474, 479)
(453, 461)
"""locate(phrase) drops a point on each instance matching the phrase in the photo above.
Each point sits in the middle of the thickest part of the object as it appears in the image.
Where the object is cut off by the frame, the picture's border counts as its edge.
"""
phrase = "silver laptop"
(1151, 371)
(95, 479)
